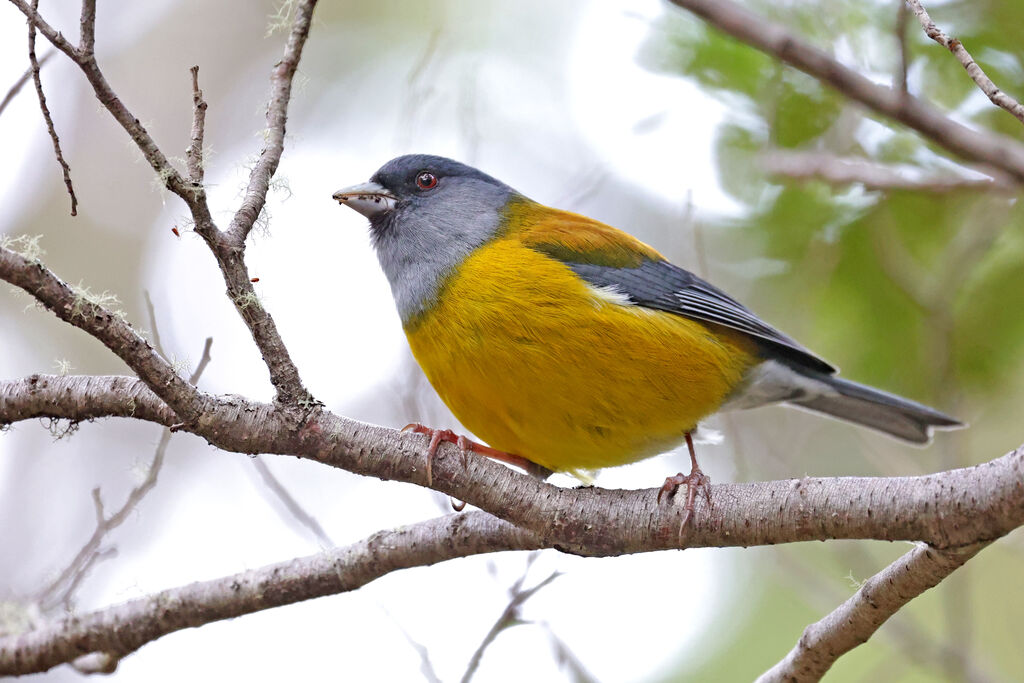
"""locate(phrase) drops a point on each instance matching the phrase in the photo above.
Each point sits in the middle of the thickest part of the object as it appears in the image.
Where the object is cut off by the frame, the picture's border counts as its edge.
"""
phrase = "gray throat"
(421, 243)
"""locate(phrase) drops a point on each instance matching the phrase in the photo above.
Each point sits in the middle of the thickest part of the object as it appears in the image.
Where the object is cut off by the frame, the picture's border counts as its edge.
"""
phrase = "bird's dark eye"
(426, 180)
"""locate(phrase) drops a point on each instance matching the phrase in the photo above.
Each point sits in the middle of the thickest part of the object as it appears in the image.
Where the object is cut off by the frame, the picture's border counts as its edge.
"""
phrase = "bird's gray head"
(427, 213)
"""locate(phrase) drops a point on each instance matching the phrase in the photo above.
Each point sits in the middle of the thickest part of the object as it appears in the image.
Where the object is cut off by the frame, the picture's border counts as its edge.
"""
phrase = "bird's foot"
(466, 446)
(695, 481)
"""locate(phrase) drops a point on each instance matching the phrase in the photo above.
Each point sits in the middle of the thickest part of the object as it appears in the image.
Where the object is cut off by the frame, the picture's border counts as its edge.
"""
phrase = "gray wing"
(665, 287)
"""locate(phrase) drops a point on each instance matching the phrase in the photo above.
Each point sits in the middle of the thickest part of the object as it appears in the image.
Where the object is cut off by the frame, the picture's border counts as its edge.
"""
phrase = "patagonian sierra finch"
(568, 345)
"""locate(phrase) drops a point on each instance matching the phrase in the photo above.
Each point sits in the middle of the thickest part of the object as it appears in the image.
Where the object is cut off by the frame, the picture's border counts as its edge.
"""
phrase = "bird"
(568, 345)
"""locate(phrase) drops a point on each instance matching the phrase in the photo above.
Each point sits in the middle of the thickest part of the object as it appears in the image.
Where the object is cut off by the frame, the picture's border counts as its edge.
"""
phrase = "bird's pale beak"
(368, 199)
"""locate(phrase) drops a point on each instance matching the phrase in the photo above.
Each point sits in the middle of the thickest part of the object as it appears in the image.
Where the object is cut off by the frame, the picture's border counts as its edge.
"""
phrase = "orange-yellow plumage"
(564, 341)
(537, 363)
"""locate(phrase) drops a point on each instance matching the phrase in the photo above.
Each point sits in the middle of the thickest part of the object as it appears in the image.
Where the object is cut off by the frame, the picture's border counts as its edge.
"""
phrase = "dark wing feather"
(665, 287)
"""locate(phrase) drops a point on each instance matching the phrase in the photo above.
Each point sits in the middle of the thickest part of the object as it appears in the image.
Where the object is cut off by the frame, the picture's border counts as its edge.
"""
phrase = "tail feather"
(894, 415)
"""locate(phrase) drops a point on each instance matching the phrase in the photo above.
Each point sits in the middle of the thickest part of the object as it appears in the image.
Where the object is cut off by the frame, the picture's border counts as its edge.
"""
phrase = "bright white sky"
(624, 618)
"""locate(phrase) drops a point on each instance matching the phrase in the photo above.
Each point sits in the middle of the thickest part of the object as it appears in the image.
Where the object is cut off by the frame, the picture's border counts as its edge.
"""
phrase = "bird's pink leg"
(466, 446)
(695, 480)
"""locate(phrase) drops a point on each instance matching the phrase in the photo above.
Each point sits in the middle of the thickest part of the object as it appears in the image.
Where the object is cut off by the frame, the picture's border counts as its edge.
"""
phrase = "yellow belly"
(530, 360)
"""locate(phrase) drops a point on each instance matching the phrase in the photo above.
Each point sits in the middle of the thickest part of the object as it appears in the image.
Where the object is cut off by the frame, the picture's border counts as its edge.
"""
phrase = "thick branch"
(989, 148)
(122, 629)
(77, 398)
(991, 90)
(857, 619)
(115, 333)
(944, 510)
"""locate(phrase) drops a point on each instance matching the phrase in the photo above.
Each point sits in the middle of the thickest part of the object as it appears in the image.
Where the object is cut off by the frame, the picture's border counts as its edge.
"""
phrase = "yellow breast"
(536, 363)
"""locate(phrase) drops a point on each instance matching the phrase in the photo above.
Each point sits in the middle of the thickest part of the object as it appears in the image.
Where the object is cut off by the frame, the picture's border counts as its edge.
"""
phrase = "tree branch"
(116, 334)
(228, 247)
(857, 619)
(37, 80)
(277, 115)
(989, 148)
(941, 509)
(78, 398)
(86, 60)
(841, 171)
(293, 507)
(120, 630)
(997, 96)
(22, 80)
(87, 28)
(194, 153)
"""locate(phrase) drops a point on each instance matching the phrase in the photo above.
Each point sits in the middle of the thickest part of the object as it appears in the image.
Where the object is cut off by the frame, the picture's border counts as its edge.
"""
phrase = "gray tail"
(894, 415)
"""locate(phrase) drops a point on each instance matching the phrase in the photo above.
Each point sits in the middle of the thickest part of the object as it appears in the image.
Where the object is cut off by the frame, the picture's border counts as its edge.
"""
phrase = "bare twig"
(194, 153)
(902, 14)
(87, 28)
(510, 616)
(85, 59)
(857, 619)
(997, 96)
(227, 248)
(277, 115)
(566, 658)
(22, 80)
(293, 506)
(872, 175)
(153, 327)
(426, 666)
(204, 360)
(65, 169)
(122, 629)
(983, 147)
(68, 580)
(107, 327)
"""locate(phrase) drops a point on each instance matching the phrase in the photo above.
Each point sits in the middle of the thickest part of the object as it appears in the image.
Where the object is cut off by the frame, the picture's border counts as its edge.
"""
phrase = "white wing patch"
(611, 294)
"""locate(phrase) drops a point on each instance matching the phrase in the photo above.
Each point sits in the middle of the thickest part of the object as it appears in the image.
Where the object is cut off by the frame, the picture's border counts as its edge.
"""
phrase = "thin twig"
(87, 28)
(194, 153)
(293, 506)
(902, 15)
(509, 617)
(840, 171)
(90, 553)
(565, 657)
(168, 175)
(22, 80)
(65, 169)
(204, 360)
(154, 329)
(426, 666)
(277, 116)
(857, 619)
(977, 74)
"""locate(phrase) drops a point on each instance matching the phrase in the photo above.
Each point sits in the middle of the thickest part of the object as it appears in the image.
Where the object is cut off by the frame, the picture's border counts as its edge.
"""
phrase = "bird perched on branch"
(570, 345)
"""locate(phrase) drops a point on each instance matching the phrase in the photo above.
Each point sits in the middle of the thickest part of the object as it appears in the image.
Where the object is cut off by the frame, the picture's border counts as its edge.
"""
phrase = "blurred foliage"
(852, 256)
(914, 291)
